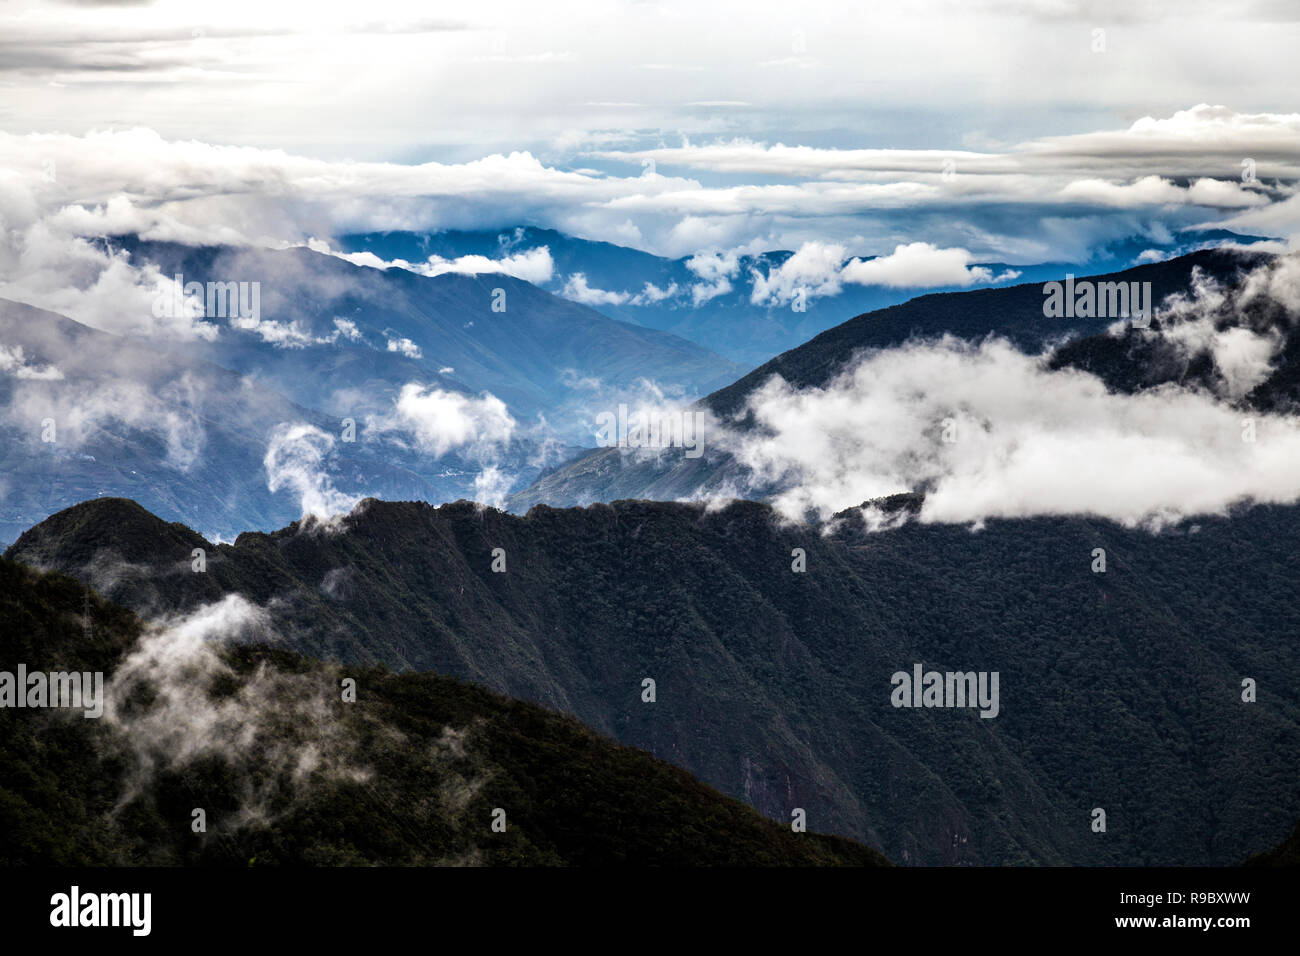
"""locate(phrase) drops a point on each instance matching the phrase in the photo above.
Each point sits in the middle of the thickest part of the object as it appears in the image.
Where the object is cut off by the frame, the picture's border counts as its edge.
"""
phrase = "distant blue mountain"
(729, 323)
(539, 353)
(1014, 312)
(184, 426)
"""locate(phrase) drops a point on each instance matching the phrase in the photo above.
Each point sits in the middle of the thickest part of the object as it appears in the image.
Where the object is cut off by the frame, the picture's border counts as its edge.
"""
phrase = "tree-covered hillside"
(1120, 690)
(287, 772)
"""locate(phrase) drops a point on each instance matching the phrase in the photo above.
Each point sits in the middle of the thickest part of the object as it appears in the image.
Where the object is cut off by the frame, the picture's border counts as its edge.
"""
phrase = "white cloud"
(819, 269)
(532, 265)
(296, 460)
(1156, 191)
(346, 329)
(405, 346)
(577, 289)
(651, 294)
(441, 421)
(284, 335)
(716, 270)
(1243, 357)
(14, 362)
(43, 264)
(1029, 202)
(1028, 441)
(1201, 142)
(491, 485)
(815, 270)
(86, 407)
(919, 265)
(178, 718)
(985, 430)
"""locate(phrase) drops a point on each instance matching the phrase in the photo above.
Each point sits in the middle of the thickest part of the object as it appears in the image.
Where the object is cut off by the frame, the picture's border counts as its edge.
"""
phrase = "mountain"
(411, 773)
(352, 357)
(1119, 690)
(711, 298)
(537, 352)
(1015, 313)
(88, 413)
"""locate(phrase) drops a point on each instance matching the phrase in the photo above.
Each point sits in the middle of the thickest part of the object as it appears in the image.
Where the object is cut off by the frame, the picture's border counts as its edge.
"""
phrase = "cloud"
(814, 270)
(1200, 142)
(577, 289)
(652, 294)
(1215, 321)
(45, 264)
(283, 335)
(918, 265)
(819, 269)
(440, 421)
(491, 485)
(532, 265)
(85, 410)
(987, 431)
(163, 709)
(1155, 191)
(405, 346)
(297, 460)
(346, 329)
(1176, 170)
(13, 362)
(716, 270)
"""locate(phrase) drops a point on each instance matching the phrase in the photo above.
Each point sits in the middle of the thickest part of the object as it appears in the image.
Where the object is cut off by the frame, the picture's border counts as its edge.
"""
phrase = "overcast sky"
(1015, 132)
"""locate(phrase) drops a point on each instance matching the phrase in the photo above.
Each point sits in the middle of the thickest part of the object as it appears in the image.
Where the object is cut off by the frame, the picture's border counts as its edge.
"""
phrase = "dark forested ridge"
(1119, 690)
(410, 773)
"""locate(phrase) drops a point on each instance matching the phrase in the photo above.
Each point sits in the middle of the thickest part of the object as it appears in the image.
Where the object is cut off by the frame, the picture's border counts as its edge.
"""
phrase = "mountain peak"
(72, 537)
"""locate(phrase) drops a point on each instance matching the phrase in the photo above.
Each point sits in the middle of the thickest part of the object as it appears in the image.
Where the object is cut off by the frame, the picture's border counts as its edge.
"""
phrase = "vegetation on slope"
(408, 774)
(1119, 690)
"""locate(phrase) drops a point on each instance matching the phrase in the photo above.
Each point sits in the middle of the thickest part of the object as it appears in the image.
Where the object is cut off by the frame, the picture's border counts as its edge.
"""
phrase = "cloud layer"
(986, 431)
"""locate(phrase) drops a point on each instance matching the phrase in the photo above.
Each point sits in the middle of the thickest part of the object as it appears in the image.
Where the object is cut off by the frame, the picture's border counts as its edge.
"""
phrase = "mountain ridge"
(774, 686)
(414, 772)
(1012, 312)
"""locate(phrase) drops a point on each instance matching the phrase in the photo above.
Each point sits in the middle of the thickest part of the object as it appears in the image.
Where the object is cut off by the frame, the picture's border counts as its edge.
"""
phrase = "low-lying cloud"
(164, 713)
(987, 431)
(297, 460)
(821, 269)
